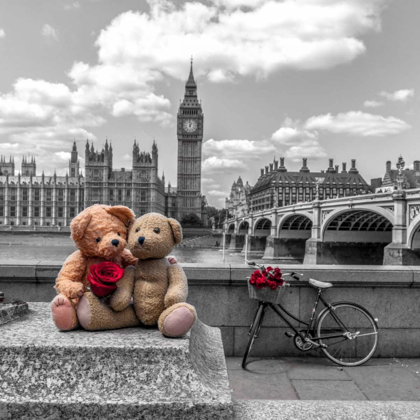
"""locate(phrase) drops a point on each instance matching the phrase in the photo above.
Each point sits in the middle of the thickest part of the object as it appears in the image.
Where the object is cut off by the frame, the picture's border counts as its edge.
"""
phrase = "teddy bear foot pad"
(127, 373)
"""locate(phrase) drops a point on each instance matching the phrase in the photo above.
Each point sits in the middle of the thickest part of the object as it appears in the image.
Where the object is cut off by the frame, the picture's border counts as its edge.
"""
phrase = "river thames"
(55, 247)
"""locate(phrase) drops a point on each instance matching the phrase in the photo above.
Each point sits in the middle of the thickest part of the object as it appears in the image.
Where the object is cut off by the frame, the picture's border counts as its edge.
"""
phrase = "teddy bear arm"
(128, 258)
(121, 297)
(69, 279)
(178, 286)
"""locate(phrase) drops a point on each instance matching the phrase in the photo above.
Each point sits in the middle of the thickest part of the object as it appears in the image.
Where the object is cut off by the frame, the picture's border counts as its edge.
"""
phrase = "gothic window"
(72, 172)
(48, 211)
(25, 211)
(143, 195)
(37, 194)
(12, 211)
(96, 175)
(49, 194)
(60, 212)
(60, 195)
(36, 211)
(144, 176)
(128, 194)
(13, 194)
(25, 195)
(72, 195)
(120, 195)
(72, 211)
(1, 211)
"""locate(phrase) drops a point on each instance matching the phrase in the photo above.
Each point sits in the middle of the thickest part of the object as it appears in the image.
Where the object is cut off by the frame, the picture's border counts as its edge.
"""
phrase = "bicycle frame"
(280, 311)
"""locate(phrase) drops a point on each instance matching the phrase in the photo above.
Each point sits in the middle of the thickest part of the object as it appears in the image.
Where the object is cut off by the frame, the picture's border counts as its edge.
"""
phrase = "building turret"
(28, 167)
(74, 165)
(7, 168)
(353, 169)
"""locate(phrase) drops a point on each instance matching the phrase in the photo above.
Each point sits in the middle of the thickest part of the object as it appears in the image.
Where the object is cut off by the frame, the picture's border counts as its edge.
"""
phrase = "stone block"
(12, 311)
(128, 373)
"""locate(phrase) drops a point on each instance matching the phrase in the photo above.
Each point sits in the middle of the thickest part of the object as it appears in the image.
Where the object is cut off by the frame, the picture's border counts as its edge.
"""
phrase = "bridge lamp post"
(317, 184)
(400, 176)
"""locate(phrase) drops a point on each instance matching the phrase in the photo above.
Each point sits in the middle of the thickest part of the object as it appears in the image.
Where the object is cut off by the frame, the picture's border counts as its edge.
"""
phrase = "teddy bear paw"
(63, 313)
(179, 321)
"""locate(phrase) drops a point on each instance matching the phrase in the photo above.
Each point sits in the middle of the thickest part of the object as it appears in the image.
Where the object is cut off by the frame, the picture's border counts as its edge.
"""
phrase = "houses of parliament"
(30, 199)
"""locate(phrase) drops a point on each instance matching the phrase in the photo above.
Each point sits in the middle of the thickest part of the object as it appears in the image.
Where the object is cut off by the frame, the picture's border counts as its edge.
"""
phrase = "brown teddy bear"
(100, 234)
(160, 288)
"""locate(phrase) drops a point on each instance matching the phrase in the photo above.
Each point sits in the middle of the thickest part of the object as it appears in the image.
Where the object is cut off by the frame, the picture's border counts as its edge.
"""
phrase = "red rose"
(103, 277)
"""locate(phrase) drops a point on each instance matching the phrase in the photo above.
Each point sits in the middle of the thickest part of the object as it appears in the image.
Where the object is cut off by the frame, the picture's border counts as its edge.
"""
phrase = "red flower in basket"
(103, 278)
(269, 277)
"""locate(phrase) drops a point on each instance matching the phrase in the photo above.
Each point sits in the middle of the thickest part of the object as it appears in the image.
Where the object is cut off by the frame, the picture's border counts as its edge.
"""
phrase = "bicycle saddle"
(320, 284)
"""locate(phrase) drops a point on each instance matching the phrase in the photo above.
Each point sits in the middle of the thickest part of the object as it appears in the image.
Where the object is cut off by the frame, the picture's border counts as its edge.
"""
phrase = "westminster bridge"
(381, 228)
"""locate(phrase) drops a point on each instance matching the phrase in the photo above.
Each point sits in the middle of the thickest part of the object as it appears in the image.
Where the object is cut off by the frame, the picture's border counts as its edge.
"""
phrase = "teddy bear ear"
(123, 213)
(79, 224)
(176, 230)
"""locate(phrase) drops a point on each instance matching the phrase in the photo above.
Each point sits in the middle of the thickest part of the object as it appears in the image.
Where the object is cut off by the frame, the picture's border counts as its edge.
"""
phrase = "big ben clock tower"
(190, 138)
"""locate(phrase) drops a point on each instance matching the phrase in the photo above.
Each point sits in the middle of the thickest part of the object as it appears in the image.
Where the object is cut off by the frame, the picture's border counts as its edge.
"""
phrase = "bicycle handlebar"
(262, 267)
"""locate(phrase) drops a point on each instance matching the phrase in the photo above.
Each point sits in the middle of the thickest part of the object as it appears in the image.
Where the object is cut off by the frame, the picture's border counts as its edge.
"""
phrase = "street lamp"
(400, 176)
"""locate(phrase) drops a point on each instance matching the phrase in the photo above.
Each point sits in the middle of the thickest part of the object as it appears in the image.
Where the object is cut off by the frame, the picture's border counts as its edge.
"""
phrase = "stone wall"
(220, 295)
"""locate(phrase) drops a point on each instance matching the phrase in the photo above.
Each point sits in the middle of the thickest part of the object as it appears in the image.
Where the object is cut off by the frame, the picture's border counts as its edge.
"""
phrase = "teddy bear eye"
(156, 230)
(118, 233)
(98, 239)
(138, 229)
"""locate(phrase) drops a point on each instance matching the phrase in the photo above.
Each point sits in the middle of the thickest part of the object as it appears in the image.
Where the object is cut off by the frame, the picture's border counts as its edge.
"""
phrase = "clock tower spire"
(190, 121)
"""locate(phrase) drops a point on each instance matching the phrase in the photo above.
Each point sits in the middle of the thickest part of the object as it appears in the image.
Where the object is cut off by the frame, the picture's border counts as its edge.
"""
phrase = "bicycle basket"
(266, 294)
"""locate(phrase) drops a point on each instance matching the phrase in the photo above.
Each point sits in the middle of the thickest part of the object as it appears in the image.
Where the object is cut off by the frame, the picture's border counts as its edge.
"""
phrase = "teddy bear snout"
(115, 242)
(141, 240)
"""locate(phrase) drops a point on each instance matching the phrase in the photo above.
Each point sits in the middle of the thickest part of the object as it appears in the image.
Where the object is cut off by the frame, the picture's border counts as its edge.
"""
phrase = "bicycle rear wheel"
(355, 331)
(253, 332)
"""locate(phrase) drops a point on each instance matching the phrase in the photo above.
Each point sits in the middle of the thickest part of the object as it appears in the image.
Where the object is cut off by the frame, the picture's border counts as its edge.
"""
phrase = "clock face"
(190, 126)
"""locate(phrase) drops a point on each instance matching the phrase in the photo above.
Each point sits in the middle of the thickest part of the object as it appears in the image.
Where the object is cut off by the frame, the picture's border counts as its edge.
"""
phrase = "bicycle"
(345, 331)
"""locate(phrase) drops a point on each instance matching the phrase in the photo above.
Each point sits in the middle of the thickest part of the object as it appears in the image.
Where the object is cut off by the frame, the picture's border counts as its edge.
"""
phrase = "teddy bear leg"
(177, 320)
(64, 313)
(94, 315)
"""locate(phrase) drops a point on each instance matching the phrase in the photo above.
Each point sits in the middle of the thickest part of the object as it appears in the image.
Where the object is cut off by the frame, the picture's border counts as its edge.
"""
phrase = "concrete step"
(125, 373)
(325, 410)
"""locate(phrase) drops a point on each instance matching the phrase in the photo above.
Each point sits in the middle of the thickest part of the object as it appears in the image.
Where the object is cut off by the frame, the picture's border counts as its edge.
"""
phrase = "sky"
(315, 79)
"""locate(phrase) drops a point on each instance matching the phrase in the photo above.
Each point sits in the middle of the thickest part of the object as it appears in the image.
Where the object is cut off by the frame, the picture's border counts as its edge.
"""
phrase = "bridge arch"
(295, 225)
(262, 227)
(231, 229)
(357, 235)
(243, 227)
(413, 233)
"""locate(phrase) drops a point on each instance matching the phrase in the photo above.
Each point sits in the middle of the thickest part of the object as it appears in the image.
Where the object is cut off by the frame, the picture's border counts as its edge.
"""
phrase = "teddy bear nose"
(115, 242)
(141, 240)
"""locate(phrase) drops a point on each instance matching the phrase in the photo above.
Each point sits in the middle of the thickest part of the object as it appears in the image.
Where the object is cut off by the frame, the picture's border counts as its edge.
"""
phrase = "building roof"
(283, 178)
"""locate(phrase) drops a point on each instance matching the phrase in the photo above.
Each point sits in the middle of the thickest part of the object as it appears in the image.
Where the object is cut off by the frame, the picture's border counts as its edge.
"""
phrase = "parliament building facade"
(28, 199)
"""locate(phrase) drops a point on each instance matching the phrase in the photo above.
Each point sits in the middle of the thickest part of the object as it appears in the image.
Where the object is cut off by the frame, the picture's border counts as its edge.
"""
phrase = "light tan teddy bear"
(160, 288)
(100, 234)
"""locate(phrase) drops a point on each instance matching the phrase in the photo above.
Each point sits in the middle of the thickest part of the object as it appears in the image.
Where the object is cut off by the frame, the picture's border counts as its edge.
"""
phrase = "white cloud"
(49, 33)
(372, 104)
(65, 156)
(357, 123)
(215, 164)
(228, 42)
(2, 33)
(72, 6)
(240, 149)
(402, 95)
(301, 142)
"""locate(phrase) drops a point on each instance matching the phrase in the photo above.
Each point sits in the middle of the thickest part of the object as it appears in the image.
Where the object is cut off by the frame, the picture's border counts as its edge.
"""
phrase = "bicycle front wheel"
(348, 334)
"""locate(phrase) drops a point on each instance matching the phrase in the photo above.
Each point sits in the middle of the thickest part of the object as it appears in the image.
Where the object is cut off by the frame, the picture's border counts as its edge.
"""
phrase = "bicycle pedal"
(289, 334)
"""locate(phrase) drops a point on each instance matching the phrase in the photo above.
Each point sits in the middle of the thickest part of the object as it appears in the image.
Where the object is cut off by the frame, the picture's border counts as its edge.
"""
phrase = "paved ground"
(312, 378)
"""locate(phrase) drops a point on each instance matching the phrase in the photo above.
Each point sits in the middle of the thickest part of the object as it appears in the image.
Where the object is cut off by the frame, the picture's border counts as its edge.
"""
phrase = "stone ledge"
(235, 275)
(11, 311)
(123, 373)
(326, 410)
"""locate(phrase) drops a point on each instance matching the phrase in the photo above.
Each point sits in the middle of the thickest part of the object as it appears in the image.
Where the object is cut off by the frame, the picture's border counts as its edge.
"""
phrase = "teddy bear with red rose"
(92, 281)
(160, 287)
